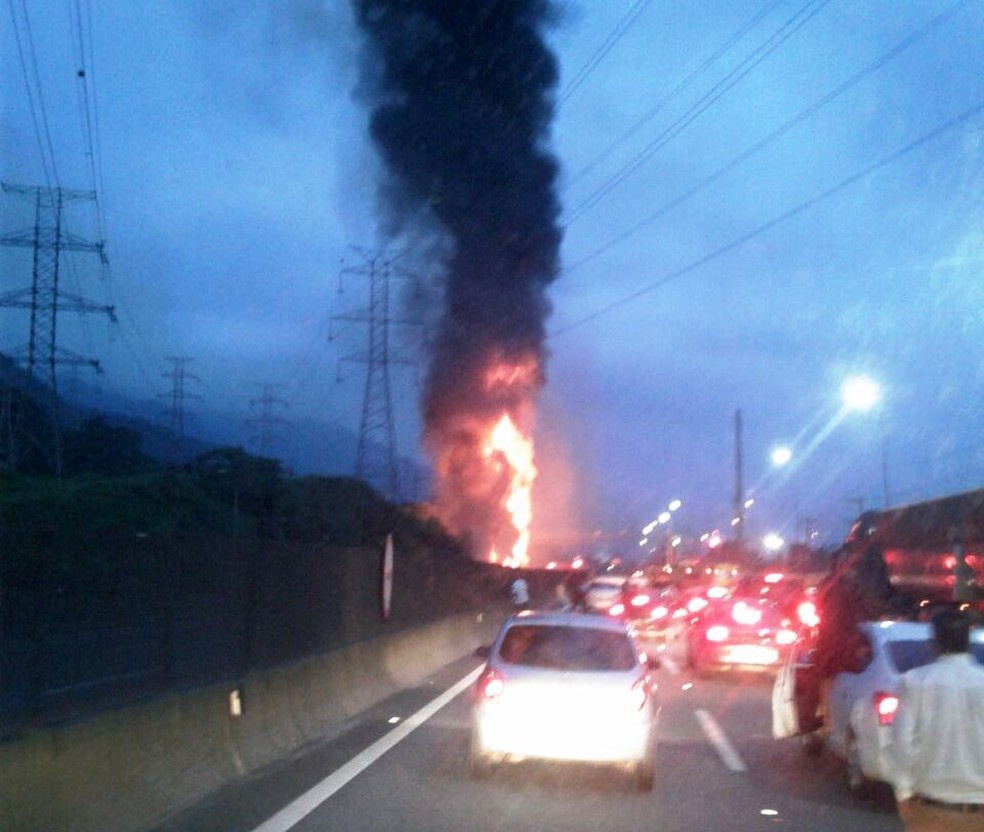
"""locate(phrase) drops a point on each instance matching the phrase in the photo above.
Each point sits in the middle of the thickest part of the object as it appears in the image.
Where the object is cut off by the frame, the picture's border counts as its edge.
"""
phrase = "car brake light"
(659, 612)
(640, 600)
(717, 633)
(886, 704)
(490, 685)
(717, 592)
(807, 613)
(616, 609)
(786, 637)
(696, 604)
(640, 693)
(745, 614)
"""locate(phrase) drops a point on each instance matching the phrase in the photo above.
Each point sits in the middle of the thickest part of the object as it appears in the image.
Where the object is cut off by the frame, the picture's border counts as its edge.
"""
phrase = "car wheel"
(858, 783)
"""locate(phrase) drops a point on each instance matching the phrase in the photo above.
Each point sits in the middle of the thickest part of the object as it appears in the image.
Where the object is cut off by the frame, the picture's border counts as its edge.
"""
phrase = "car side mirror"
(483, 651)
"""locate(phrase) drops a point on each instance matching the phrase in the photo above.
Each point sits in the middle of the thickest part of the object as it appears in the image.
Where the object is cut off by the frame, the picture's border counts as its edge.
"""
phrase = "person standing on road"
(520, 593)
(938, 736)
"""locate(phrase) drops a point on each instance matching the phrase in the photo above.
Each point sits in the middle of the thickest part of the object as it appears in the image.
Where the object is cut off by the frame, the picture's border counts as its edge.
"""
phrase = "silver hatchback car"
(569, 687)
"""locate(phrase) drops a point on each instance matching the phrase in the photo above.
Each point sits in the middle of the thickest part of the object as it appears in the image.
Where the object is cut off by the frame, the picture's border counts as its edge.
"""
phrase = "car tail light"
(640, 693)
(806, 612)
(717, 633)
(745, 614)
(680, 612)
(886, 704)
(616, 609)
(718, 592)
(658, 612)
(490, 685)
(786, 637)
(696, 604)
(639, 600)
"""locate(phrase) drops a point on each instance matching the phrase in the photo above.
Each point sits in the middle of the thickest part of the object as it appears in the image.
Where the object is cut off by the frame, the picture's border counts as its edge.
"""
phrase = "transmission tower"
(177, 397)
(266, 437)
(376, 454)
(48, 239)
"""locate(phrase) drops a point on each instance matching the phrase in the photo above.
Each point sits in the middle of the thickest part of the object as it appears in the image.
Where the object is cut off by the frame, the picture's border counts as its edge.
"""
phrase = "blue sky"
(699, 278)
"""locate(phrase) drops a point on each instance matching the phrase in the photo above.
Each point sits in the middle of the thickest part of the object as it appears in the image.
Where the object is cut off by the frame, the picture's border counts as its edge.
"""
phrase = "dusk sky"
(758, 202)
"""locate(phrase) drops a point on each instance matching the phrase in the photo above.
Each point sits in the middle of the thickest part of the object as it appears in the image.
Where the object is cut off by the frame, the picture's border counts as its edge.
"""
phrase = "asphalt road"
(717, 769)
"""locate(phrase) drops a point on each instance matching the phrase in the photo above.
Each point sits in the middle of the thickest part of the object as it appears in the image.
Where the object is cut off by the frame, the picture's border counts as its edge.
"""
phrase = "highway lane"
(718, 768)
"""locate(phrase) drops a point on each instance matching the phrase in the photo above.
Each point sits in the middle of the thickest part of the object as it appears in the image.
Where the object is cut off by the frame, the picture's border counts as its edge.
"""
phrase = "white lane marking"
(295, 812)
(720, 741)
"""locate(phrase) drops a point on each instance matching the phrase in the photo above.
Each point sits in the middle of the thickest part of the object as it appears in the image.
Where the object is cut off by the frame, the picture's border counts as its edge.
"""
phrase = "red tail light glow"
(886, 704)
(490, 685)
(696, 604)
(807, 614)
(786, 637)
(659, 612)
(717, 633)
(616, 609)
(639, 600)
(745, 614)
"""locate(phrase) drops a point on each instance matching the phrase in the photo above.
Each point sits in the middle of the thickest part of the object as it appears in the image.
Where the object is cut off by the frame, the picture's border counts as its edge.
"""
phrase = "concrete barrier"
(129, 769)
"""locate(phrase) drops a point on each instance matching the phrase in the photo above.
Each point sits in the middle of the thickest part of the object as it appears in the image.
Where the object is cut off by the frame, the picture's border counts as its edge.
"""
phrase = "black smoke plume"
(462, 103)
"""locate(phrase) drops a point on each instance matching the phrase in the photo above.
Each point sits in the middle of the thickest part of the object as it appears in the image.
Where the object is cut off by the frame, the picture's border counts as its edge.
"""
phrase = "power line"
(40, 125)
(784, 128)
(718, 91)
(653, 111)
(599, 54)
(792, 212)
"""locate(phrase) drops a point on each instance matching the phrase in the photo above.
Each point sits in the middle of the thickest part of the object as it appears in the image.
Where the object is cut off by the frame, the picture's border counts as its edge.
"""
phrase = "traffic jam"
(719, 623)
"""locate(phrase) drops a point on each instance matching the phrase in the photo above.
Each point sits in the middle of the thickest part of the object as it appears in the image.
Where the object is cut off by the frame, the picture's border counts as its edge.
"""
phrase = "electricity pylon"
(266, 437)
(48, 239)
(177, 396)
(376, 454)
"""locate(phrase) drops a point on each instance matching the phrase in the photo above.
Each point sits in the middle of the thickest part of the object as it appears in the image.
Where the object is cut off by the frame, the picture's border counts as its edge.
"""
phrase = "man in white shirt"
(938, 735)
(520, 593)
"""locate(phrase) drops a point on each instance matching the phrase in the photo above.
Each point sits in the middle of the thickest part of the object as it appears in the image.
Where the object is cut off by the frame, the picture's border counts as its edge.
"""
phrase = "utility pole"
(376, 455)
(48, 239)
(266, 438)
(177, 396)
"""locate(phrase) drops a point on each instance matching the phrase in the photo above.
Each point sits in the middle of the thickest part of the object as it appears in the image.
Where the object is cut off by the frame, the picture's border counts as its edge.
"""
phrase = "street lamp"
(860, 393)
(781, 456)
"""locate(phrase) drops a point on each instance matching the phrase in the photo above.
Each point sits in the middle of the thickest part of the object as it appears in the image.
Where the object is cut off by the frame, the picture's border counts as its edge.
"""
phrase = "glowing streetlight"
(860, 393)
(773, 542)
(781, 456)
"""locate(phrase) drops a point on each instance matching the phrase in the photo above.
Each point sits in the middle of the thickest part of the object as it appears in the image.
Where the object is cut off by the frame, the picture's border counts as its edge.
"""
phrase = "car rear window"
(909, 654)
(568, 648)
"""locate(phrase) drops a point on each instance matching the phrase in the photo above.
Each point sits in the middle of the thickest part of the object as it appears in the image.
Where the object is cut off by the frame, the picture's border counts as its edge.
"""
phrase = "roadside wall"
(129, 769)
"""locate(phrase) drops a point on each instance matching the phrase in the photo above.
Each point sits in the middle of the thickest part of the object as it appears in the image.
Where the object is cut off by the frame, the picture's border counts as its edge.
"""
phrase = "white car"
(863, 703)
(602, 592)
(568, 687)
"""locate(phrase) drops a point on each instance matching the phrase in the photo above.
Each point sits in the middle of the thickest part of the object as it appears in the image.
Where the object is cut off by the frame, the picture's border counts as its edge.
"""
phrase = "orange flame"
(517, 450)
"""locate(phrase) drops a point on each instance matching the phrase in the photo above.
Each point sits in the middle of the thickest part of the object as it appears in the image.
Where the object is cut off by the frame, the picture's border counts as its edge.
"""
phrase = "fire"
(506, 442)
(481, 441)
